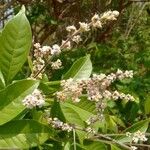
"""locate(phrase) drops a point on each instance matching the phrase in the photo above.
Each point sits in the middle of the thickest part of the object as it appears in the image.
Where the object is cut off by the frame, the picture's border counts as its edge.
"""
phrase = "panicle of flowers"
(96, 22)
(96, 87)
(56, 65)
(41, 54)
(109, 16)
(36, 99)
(71, 89)
(89, 130)
(56, 123)
(137, 136)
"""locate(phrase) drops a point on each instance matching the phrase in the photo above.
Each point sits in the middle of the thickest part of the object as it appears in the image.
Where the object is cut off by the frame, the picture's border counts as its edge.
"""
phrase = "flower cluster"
(137, 136)
(41, 54)
(96, 87)
(97, 21)
(89, 130)
(36, 99)
(109, 16)
(71, 89)
(56, 65)
(56, 123)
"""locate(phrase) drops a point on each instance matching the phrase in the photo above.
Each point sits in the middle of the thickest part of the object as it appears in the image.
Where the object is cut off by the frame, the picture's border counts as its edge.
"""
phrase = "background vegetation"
(123, 44)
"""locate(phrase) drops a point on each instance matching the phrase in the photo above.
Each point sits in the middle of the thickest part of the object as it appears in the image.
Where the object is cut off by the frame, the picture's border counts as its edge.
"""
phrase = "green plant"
(81, 110)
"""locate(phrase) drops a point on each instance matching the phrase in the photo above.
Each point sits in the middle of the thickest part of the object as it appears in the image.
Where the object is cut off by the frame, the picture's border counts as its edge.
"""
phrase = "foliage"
(39, 128)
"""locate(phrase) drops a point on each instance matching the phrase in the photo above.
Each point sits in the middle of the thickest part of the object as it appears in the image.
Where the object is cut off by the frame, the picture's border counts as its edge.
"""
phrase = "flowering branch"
(73, 36)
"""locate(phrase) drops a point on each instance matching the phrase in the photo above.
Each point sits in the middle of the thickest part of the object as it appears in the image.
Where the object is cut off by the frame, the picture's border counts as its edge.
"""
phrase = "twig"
(113, 140)
(132, 26)
(74, 139)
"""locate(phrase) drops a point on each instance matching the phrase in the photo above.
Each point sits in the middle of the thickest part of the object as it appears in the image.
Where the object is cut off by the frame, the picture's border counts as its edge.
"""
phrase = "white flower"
(115, 95)
(128, 134)
(37, 45)
(129, 97)
(119, 72)
(139, 136)
(77, 39)
(128, 74)
(133, 148)
(84, 27)
(90, 130)
(95, 18)
(56, 65)
(97, 24)
(135, 139)
(45, 50)
(115, 13)
(56, 123)
(34, 99)
(55, 49)
(66, 127)
(71, 28)
(107, 94)
(76, 100)
(109, 15)
(96, 21)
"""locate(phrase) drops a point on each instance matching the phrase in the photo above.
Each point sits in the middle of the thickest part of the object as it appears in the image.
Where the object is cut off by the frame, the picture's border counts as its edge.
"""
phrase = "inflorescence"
(36, 99)
(136, 137)
(56, 123)
(43, 54)
(97, 89)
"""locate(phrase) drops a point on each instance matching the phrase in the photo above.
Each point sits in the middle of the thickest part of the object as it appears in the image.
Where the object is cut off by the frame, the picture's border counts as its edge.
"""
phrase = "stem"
(74, 139)
(141, 145)
(136, 20)
(110, 139)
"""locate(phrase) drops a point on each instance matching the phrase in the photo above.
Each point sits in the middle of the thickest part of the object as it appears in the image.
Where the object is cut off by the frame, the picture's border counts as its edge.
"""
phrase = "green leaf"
(15, 43)
(11, 99)
(113, 147)
(147, 105)
(84, 109)
(95, 145)
(77, 114)
(81, 69)
(2, 81)
(71, 115)
(23, 134)
(67, 146)
(49, 87)
(141, 125)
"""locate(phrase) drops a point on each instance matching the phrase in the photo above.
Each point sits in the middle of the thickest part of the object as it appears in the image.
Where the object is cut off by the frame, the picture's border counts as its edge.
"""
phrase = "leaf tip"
(23, 9)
